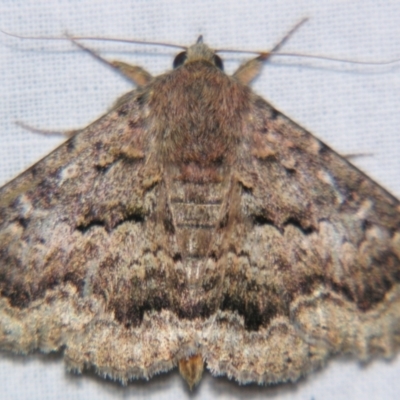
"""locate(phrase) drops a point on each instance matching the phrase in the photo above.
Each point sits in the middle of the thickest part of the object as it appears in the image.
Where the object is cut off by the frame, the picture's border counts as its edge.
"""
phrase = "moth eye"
(218, 62)
(179, 59)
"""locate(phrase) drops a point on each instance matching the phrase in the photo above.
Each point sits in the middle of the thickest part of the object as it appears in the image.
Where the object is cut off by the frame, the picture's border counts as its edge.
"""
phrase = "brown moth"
(194, 223)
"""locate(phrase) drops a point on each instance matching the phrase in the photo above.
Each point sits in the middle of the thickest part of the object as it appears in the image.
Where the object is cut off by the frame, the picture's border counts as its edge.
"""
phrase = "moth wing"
(79, 264)
(312, 267)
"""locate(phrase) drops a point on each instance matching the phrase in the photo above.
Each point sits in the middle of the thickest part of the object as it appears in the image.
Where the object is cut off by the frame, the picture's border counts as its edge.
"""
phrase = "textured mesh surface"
(51, 85)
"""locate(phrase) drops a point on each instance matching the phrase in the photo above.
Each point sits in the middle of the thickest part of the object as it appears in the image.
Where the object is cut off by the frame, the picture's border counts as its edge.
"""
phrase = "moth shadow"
(151, 388)
(223, 387)
(82, 381)
(226, 387)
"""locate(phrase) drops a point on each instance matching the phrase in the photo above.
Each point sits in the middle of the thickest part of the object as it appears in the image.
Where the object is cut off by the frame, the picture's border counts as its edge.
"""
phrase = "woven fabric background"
(52, 85)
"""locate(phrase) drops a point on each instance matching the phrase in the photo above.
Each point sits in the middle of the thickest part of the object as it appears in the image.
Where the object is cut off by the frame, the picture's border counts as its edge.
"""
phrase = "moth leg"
(356, 155)
(138, 75)
(250, 69)
(48, 132)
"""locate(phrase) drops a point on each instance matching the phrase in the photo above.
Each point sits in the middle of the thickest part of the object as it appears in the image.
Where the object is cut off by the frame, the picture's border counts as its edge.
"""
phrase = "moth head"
(196, 52)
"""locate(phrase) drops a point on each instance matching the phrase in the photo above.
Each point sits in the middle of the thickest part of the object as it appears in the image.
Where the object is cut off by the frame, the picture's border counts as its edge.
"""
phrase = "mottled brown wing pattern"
(313, 264)
(77, 245)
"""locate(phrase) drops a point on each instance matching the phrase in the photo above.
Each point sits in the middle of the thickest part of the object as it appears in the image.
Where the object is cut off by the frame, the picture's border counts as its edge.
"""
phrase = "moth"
(194, 224)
